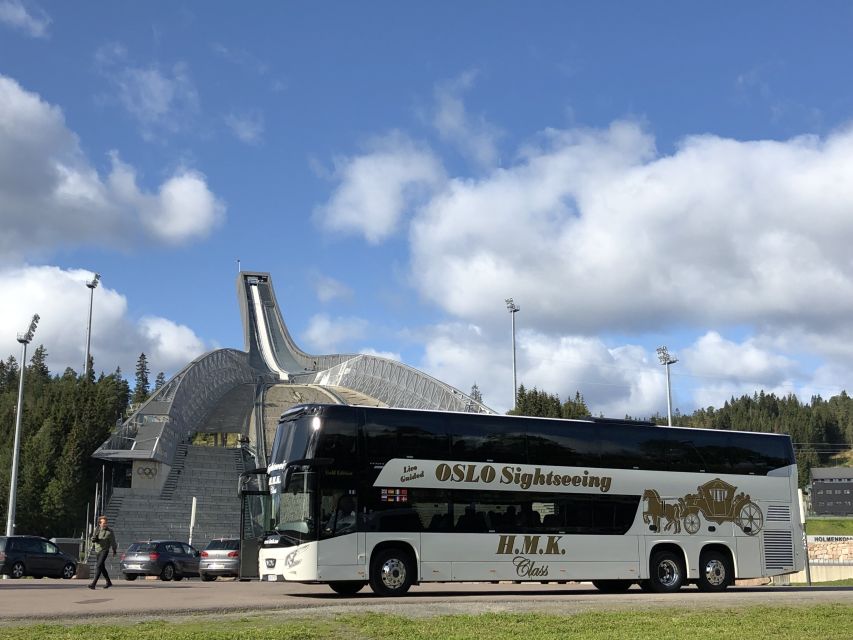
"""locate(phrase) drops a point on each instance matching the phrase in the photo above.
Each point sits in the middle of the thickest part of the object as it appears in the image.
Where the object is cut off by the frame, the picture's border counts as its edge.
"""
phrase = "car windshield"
(142, 547)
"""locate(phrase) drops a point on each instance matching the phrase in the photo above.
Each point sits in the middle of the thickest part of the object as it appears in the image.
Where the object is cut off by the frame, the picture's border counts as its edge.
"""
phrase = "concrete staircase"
(208, 473)
(171, 483)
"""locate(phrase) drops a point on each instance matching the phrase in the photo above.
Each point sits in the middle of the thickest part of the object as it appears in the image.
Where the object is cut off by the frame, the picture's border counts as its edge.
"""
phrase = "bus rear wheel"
(612, 586)
(715, 573)
(346, 588)
(392, 572)
(666, 572)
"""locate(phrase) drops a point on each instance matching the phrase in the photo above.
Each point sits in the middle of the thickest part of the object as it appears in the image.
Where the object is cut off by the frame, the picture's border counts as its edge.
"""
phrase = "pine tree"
(159, 381)
(140, 392)
(11, 373)
(475, 393)
(575, 408)
(37, 372)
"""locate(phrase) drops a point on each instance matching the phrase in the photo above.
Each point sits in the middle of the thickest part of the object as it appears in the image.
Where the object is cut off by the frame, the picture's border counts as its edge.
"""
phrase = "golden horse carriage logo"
(715, 500)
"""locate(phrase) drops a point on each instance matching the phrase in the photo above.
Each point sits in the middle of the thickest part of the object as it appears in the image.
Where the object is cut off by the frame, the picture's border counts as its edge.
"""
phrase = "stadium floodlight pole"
(24, 339)
(666, 359)
(513, 309)
(91, 285)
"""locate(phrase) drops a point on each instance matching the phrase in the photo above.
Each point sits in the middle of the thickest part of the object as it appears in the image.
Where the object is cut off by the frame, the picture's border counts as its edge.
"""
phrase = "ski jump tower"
(244, 392)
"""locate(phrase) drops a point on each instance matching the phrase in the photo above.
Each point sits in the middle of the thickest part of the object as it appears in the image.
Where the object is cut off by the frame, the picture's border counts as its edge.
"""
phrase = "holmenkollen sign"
(829, 538)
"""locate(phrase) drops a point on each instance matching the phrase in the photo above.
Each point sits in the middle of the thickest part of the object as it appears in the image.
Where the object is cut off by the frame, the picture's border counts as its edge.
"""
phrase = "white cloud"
(618, 380)
(328, 289)
(595, 231)
(474, 137)
(28, 18)
(247, 127)
(713, 355)
(390, 355)
(50, 195)
(60, 297)
(376, 189)
(161, 100)
(613, 381)
(326, 335)
(169, 341)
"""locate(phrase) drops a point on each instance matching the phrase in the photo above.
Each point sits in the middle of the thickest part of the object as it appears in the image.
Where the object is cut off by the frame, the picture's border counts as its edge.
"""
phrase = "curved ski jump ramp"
(272, 349)
(228, 391)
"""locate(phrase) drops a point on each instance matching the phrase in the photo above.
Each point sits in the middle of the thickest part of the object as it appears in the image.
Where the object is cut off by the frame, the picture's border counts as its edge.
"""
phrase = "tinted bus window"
(414, 510)
(758, 454)
(682, 454)
(510, 512)
(568, 444)
(390, 435)
(338, 441)
(488, 439)
(632, 447)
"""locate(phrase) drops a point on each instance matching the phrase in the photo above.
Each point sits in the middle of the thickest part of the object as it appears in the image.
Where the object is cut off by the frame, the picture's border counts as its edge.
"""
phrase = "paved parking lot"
(70, 600)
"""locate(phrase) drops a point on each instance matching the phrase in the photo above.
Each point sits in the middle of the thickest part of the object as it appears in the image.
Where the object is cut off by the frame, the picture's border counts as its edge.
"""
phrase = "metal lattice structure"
(189, 400)
(179, 408)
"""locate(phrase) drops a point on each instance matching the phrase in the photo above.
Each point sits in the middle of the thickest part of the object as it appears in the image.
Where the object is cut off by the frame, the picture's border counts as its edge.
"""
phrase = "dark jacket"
(104, 538)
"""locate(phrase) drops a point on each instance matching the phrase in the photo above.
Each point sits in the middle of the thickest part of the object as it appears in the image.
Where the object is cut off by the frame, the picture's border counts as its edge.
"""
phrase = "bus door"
(343, 542)
(255, 520)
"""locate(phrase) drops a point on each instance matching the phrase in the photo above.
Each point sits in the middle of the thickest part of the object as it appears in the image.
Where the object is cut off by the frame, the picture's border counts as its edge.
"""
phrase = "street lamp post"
(24, 339)
(513, 309)
(666, 359)
(92, 284)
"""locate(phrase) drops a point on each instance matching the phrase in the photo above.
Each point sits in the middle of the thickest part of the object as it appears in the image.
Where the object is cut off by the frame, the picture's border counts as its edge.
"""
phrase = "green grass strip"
(824, 622)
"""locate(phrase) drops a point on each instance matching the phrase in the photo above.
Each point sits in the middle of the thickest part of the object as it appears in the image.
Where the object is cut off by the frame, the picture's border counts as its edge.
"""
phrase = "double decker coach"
(396, 497)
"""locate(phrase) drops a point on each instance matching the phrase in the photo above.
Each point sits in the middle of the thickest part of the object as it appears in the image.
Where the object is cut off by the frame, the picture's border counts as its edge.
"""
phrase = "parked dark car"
(167, 559)
(220, 558)
(34, 556)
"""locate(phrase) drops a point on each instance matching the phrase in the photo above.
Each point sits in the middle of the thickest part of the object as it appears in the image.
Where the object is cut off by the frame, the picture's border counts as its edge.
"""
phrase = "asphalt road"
(30, 601)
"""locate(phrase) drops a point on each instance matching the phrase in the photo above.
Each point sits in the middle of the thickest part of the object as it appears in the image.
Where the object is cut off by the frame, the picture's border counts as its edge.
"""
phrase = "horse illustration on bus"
(716, 500)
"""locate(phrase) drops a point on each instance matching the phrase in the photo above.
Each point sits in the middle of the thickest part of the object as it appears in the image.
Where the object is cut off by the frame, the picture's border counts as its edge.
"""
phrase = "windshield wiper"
(288, 536)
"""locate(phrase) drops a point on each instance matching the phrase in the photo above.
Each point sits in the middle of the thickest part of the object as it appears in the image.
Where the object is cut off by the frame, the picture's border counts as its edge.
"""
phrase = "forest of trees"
(66, 417)
(820, 429)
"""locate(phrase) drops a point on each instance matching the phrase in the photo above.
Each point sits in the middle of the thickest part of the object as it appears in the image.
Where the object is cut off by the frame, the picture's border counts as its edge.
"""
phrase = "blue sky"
(633, 174)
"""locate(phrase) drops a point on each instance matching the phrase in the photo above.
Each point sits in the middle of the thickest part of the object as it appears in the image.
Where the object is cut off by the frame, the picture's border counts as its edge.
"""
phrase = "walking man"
(104, 539)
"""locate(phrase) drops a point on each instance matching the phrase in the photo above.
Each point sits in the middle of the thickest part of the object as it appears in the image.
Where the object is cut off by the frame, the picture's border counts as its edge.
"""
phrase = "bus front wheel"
(666, 572)
(392, 572)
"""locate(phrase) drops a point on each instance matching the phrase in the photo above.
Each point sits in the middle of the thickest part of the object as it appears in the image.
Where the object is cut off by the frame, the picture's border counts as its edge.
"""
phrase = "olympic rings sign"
(148, 472)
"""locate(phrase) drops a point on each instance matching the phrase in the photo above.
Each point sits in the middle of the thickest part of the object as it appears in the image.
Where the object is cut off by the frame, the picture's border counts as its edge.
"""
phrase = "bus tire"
(346, 587)
(715, 571)
(666, 572)
(612, 586)
(392, 572)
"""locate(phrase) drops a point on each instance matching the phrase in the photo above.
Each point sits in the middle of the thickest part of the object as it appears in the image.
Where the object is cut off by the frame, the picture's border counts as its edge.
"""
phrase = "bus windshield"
(294, 440)
(293, 507)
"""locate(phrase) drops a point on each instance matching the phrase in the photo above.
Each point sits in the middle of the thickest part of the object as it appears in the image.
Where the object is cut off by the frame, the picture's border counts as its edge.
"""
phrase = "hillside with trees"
(66, 417)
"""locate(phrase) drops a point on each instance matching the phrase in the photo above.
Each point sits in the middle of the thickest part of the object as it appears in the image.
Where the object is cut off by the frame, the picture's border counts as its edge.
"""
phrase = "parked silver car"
(168, 559)
(220, 558)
